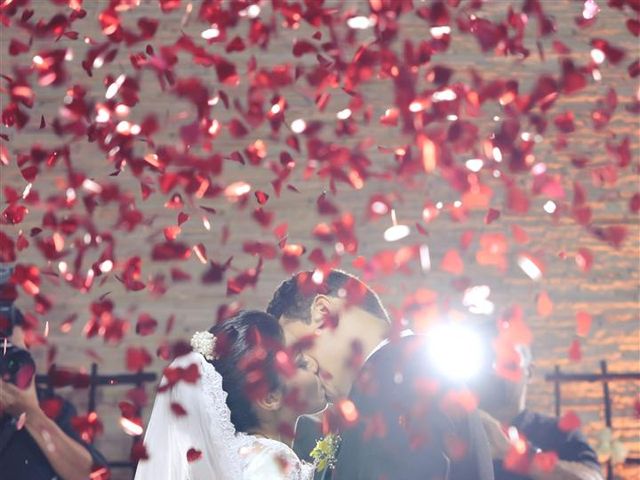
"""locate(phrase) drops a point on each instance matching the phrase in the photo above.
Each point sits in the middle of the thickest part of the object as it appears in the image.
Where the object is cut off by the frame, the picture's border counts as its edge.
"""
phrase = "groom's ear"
(273, 401)
(320, 310)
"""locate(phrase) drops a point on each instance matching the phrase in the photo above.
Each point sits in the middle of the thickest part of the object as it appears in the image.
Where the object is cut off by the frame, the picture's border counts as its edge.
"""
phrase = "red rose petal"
(584, 259)
(575, 351)
(612, 53)
(52, 407)
(146, 324)
(583, 324)
(193, 455)
(170, 251)
(178, 410)
(452, 263)
(564, 122)
(87, 426)
(544, 305)
(569, 421)
(138, 452)
(182, 217)
(7, 248)
(491, 216)
(634, 203)
(137, 358)
(302, 47)
(261, 197)
(545, 461)
(172, 232)
(519, 234)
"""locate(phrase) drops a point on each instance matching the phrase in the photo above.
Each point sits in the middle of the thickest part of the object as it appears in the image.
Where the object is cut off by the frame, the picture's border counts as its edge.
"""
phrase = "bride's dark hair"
(245, 349)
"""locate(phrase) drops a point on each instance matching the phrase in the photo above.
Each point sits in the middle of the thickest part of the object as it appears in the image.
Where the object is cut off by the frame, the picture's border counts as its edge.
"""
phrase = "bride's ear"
(272, 402)
(320, 310)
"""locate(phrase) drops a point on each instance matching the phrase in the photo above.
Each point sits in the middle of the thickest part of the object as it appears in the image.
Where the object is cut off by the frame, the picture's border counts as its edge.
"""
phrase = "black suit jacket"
(405, 430)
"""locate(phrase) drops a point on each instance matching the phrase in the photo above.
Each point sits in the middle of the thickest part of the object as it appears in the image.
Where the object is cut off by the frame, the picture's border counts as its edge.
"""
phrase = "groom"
(406, 423)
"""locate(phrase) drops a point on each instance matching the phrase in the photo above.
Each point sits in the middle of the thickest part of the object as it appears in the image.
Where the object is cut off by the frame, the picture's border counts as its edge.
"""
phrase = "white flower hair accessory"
(205, 344)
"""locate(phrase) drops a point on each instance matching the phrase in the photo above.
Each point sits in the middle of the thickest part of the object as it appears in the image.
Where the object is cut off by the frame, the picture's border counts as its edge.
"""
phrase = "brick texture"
(609, 291)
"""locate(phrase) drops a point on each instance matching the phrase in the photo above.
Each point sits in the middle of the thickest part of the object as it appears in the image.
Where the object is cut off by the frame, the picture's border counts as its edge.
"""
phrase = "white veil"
(206, 428)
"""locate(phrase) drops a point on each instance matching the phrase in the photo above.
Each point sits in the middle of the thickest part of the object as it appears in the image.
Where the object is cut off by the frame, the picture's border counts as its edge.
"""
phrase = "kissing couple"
(230, 408)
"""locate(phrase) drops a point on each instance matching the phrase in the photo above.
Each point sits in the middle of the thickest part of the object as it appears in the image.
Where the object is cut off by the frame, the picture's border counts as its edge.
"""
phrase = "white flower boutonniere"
(325, 451)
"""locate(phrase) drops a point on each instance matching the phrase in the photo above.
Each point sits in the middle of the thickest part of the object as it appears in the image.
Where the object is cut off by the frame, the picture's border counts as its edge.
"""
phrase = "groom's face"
(330, 338)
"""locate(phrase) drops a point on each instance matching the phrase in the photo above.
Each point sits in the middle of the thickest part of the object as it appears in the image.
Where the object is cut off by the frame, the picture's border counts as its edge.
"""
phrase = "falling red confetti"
(583, 324)
(575, 351)
(569, 421)
(52, 407)
(193, 455)
(178, 410)
(545, 461)
(146, 325)
(138, 452)
(452, 263)
(491, 216)
(584, 259)
(88, 426)
(137, 358)
(348, 412)
(544, 305)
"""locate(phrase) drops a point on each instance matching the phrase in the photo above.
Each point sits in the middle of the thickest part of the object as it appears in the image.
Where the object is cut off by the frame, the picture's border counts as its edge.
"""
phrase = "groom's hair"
(245, 349)
(293, 298)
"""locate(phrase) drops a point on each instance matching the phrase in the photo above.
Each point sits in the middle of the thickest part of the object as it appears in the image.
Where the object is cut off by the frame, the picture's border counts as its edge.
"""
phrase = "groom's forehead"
(294, 330)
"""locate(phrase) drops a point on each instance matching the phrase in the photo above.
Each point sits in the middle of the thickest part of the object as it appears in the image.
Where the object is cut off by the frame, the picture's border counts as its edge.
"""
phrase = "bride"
(224, 410)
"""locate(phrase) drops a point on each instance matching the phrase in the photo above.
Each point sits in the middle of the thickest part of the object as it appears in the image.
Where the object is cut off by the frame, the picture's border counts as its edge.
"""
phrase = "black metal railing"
(605, 377)
(92, 382)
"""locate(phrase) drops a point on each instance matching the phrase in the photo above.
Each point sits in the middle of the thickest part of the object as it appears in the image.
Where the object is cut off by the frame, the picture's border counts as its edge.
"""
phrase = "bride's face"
(304, 393)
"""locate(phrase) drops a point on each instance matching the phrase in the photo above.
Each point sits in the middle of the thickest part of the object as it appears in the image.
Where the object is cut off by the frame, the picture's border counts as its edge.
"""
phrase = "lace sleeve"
(273, 460)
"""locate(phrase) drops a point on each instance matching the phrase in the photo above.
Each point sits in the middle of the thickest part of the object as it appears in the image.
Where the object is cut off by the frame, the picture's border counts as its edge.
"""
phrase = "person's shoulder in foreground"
(543, 432)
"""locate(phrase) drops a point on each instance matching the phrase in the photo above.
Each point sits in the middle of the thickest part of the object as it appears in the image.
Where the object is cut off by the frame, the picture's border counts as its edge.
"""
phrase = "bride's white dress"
(203, 444)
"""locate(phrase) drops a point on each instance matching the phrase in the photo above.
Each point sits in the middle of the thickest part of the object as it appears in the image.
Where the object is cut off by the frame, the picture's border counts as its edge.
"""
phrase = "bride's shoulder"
(267, 458)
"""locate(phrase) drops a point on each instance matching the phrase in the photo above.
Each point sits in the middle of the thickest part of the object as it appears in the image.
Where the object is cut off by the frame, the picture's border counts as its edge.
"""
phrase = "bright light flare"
(317, 277)
(113, 89)
(253, 11)
(344, 114)
(425, 258)
(298, 125)
(106, 266)
(396, 232)
(598, 56)
(529, 268)
(236, 190)
(210, 33)
(439, 32)
(130, 427)
(360, 23)
(379, 208)
(91, 186)
(550, 206)
(476, 299)
(497, 154)
(27, 190)
(590, 9)
(455, 351)
(446, 95)
(474, 164)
